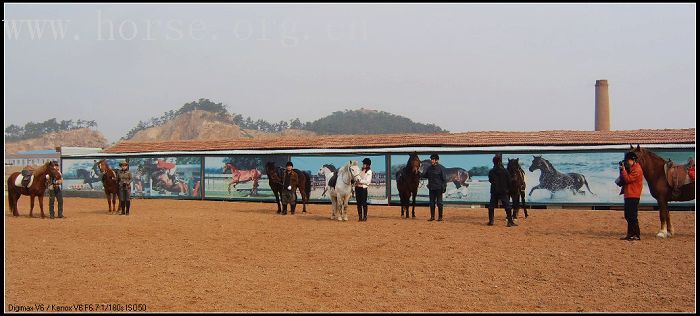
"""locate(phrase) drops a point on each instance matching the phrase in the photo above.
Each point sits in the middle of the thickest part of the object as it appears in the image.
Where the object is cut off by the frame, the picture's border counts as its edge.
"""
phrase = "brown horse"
(37, 188)
(516, 186)
(109, 184)
(653, 168)
(243, 176)
(407, 180)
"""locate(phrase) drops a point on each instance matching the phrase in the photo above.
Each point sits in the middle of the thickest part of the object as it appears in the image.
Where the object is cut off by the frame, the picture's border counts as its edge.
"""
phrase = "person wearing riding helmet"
(437, 185)
(633, 183)
(361, 187)
(124, 183)
(498, 177)
(289, 189)
(55, 194)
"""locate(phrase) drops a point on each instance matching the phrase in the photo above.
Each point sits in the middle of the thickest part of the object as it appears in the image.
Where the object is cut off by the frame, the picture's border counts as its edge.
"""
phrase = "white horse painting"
(327, 171)
(340, 195)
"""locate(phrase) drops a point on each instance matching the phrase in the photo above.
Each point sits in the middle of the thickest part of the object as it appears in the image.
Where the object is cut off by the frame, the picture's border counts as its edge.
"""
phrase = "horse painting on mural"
(327, 171)
(109, 183)
(35, 188)
(243, 176)
(659, 175)
(341, 193)
(407, 180)
(553, 180)
(516, 186)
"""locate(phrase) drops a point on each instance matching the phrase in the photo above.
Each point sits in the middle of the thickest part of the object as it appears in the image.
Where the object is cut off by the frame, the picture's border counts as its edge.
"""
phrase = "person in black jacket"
(498, 177)
(437, 185)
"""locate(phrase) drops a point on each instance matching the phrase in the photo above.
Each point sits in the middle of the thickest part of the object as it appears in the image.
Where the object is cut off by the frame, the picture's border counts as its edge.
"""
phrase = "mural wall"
(171, 177)
(83, 175)
(240, 176)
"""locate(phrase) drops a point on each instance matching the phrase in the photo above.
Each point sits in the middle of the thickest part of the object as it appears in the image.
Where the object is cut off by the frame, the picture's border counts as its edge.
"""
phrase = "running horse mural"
(242, 176)
(656, 173)
(553, 180)
(89, 176)
(109, 183)
(456, 175)
(35, 188)
(407, 180)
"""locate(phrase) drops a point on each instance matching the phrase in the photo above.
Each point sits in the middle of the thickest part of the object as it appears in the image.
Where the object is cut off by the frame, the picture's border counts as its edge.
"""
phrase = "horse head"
(537, 163)
(354, 170)
(414, 164)
(52, 170)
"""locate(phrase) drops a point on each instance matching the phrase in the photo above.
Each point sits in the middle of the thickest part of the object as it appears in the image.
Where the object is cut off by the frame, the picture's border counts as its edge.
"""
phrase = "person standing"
(633, 183)
(55, 192)
(437, 185)
(124, 183)
(289, 189)
(498, 177)
(361, 187)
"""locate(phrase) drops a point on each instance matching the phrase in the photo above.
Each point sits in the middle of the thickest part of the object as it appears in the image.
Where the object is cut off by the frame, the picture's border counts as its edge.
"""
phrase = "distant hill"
(82, 137)
(364, 121)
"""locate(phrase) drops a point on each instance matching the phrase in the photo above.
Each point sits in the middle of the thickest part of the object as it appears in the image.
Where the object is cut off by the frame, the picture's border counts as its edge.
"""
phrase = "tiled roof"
(467, 139)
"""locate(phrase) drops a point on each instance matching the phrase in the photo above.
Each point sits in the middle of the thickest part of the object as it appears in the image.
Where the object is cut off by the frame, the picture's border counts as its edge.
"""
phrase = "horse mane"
(651, 154)
(42, 169)
(331, 167)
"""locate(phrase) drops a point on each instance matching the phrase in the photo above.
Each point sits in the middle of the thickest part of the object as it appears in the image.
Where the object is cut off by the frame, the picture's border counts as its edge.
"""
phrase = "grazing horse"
(516, 186)
(110, 185)
(242, 176)
(341, 193)
(553, 180)
(456, 175)
(407, 180)
(653, 168)
(327, 171)
(275, 177)
(37, 187)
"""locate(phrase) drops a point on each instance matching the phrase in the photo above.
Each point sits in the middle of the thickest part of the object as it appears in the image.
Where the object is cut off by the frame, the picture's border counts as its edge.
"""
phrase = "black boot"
(128, 206)
(490, 217)
(432, 213)
(122, 206)
(359, 212)
(509, 217)
(364, 217)
(439, 213)
(284, 209)
(294, 206)
(636, 231)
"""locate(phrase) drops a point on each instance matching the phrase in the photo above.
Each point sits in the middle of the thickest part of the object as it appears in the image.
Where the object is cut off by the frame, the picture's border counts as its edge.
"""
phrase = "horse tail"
(587, 187)
(11, 194)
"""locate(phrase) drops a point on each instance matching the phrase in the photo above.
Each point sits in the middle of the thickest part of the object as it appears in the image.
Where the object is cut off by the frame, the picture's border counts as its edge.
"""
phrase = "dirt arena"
(226, 256)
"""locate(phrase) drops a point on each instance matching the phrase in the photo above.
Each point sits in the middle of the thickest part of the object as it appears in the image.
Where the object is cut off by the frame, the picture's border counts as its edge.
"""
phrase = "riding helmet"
(630, 155)
(289, 163)
(367, 161)
(435, 156)
(497, 159)
(123, 163)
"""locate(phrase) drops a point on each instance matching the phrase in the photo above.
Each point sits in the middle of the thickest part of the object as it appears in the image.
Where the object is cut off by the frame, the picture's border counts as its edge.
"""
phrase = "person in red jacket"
(633, 178)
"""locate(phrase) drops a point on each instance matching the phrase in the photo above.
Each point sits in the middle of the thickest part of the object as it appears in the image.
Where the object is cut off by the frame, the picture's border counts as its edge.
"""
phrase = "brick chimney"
(602, 106)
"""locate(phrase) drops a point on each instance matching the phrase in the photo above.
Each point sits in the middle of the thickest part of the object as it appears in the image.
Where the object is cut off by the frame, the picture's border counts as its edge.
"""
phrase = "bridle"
(353, 175)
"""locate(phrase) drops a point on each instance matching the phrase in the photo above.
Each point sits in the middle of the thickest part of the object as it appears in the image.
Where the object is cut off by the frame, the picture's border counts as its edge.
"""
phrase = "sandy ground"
(234, 256)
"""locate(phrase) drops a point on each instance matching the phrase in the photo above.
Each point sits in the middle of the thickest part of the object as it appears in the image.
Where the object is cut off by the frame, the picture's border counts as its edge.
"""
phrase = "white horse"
(327, 171)
(340, 195)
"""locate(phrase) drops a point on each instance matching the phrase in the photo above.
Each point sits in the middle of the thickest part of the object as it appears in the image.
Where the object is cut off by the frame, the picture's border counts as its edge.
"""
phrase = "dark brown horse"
(274, 176)
(407, 180)
(37, 188)
(653, 168)
(516, 186)
(109, 184)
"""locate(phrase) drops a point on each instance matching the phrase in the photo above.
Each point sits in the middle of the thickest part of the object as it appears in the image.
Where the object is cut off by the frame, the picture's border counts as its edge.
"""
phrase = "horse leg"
(522, 197)
(534, 188)
(229, 187)
(346, 202)
(413, 210)
(31, 205)
(14, 202)
(663, 216)
(41, 205)
(277, 200)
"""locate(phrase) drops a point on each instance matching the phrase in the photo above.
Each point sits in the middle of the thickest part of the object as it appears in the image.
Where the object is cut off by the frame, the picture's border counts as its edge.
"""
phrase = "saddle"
(677, 176)
(27, 177)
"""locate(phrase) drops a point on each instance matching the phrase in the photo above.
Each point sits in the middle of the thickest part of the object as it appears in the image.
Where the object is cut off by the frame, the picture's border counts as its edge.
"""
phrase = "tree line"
(34, 130)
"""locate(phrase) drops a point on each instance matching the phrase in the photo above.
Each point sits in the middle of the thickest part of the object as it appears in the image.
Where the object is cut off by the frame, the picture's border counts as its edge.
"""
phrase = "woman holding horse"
(633, 183)
(124, 180)
(361, 187)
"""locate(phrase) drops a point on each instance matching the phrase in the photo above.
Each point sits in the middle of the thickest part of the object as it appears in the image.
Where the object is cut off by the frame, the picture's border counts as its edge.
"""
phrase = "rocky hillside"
(203, 125)
(83, 137)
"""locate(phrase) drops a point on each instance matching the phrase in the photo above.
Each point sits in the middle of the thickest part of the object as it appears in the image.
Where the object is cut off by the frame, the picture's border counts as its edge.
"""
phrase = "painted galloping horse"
(243, 176)
(456, 175)
(654, 172)
(407, 180)
(36, 188)
(553, 180)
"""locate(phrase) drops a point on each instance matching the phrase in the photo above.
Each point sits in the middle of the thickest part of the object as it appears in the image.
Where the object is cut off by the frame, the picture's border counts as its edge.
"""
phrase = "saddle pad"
(18, 181)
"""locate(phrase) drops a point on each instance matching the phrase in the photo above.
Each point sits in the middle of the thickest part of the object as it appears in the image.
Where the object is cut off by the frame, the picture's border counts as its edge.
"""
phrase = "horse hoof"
(340, 219)
(661, 235)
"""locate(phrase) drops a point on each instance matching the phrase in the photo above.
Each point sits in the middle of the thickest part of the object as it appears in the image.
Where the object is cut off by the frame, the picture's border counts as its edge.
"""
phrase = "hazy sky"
(464, 67)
